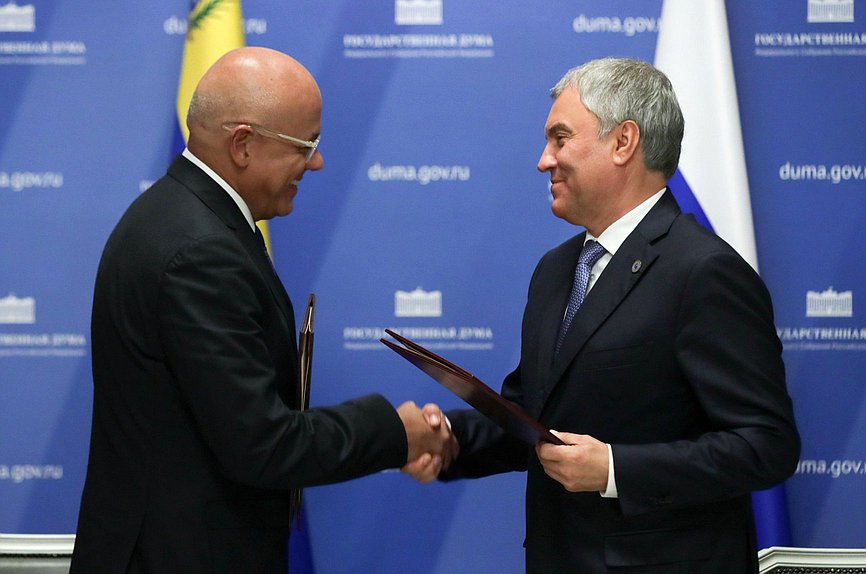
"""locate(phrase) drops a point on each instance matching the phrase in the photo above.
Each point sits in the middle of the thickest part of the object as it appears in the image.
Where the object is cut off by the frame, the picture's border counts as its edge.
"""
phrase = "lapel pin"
(635, 267)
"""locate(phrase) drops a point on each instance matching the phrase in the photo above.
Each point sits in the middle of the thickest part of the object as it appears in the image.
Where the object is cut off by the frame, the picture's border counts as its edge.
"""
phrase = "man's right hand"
(432, 446)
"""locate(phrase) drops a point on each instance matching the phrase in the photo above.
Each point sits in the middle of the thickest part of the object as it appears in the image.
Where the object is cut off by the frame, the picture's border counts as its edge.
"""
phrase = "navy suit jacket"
(673, 359)
(196, 439)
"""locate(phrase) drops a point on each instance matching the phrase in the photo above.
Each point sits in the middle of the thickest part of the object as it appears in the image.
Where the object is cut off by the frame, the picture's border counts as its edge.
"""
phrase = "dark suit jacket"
(673, 359)
(195, 442)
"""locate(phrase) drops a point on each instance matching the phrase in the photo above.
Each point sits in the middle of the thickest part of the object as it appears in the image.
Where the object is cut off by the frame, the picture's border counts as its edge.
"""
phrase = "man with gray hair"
(649, 343)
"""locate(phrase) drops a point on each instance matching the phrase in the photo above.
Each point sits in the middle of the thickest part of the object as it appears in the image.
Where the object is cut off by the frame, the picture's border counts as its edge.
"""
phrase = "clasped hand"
(581, 465)
(432, 446)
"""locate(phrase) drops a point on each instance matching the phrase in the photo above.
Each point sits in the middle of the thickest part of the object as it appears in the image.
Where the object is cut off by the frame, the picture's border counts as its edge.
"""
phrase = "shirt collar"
(242, 205)
(617, 232)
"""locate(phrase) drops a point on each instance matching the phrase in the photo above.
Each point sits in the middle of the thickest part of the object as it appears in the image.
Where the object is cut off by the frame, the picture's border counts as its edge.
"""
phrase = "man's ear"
(239, 142)
(627, 142)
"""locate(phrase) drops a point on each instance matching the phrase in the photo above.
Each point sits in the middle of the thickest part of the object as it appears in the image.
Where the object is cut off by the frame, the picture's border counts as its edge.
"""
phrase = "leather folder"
(305, 368)
(305, 353)
(462, 383)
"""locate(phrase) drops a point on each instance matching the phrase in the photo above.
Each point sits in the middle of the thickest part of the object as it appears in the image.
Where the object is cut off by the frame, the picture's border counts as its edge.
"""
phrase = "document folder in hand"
(305, 368)
(305, 353)
(463, 384)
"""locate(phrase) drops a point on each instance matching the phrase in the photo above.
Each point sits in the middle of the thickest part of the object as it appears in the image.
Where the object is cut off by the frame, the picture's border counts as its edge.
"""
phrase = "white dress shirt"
(242, 205)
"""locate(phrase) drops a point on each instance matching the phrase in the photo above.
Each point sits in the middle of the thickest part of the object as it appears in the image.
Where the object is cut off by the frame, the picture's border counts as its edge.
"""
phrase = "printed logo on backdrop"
(838, 468)
(459, 44)
(418, 12)
(832, 336)
(177, 25)
(15, 18)
(29, 52)
(21, 180)
(420, 174)
(830, 11)
(821, 40)
(835, 173)
(18, 473)
(21, 311)
(829, 303)
(420, 304)
(15, 311)
(628, 26)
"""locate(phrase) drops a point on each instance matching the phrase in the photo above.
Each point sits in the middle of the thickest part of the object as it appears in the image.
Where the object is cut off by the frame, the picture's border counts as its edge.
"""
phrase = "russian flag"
(694, 51)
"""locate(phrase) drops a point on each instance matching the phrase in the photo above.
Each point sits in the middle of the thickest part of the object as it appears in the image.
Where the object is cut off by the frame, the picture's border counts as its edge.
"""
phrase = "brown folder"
(305, 367)
(463, 384)
(305, 353)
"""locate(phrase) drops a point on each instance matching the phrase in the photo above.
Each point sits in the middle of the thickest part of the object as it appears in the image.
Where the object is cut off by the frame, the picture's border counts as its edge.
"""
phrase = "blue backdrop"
(432, 127)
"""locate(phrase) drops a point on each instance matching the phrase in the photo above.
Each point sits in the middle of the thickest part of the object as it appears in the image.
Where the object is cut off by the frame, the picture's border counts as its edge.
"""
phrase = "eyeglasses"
(310, 146)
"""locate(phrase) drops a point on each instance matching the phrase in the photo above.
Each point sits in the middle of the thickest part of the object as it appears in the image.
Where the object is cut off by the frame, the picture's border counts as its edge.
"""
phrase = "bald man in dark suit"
(197, 437)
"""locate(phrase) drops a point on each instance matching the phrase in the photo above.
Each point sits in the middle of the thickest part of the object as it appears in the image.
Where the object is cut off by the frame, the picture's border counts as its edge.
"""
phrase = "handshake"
(432, 446)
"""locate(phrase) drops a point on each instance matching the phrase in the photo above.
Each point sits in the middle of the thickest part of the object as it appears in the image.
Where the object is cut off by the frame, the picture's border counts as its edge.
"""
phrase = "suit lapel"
(561, 278)
(248, 239)
(631, 262)
(219, 202)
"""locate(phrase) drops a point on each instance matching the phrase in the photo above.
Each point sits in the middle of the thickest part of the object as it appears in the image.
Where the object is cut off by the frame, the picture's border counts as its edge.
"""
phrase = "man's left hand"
(581, 465)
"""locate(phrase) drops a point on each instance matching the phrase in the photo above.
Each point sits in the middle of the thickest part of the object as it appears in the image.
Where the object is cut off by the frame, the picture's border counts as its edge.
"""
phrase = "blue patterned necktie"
(591, 253)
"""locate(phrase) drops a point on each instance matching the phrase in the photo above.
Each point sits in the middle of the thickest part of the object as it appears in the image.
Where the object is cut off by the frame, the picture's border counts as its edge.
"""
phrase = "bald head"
(252, 120)
(251, 85)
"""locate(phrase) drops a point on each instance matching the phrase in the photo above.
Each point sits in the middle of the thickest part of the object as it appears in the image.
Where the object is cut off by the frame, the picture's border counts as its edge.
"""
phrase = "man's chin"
(279, 212)
(558, 211)
(285, 208)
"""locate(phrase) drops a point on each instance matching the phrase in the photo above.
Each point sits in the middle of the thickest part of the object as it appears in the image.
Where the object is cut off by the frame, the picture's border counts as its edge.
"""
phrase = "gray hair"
(619, 89)
(202, 108)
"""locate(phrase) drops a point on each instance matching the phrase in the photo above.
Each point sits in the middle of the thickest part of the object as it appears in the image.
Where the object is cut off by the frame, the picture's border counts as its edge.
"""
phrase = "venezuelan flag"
(214, 27)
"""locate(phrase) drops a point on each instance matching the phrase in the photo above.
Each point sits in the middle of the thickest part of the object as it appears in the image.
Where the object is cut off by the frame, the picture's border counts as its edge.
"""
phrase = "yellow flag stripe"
(214, 27)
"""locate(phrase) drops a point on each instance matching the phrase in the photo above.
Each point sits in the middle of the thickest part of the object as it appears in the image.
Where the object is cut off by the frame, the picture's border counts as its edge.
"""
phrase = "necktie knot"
(592, 252)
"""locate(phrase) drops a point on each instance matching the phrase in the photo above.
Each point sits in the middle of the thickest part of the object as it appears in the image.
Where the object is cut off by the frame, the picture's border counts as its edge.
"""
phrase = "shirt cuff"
(611, 491)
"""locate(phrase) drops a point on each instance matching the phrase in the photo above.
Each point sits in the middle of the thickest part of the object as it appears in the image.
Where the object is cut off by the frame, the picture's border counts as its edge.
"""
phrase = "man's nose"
(316, 162)
(547, 161)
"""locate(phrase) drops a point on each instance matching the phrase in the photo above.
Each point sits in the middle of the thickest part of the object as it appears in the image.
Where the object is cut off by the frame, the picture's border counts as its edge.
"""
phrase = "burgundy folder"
(463, 384)
(305, 370)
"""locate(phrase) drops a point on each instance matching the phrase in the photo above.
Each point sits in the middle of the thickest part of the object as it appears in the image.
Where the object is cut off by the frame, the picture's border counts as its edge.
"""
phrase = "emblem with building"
(829, 303)
(17, 311)
(417, 12)
(14, 18)
(830, 11)
(418, 303)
